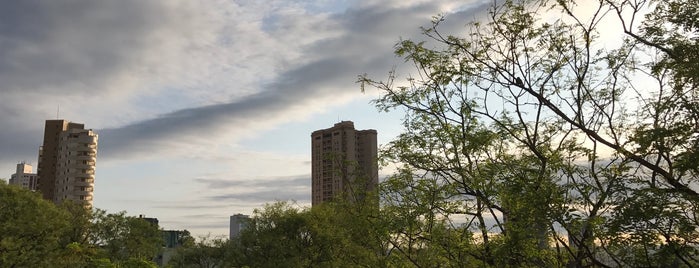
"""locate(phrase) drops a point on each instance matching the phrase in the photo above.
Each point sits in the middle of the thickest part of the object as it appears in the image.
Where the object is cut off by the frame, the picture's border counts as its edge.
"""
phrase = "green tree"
(37, 233)
(334, 234)
(278, 235)
(125, 239)
(30, 228)
(556, 144)
(348, 232)
(205, 253)
(77, 249)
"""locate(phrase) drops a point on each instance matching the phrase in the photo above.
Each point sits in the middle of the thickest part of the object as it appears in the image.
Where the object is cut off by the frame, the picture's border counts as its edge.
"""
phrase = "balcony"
(86, 183)
(91, 158)
(81, 166)
(79, 191)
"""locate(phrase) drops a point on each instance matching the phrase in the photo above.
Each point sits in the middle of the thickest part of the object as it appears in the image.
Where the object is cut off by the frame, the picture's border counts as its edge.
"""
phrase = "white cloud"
(171, 85)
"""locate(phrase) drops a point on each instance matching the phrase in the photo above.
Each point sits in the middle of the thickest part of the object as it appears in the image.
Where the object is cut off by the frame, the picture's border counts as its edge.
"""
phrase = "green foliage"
(583, 162)
(125, 238)
(336, 234)
(30, 228)
(206, 253)
(36, 233)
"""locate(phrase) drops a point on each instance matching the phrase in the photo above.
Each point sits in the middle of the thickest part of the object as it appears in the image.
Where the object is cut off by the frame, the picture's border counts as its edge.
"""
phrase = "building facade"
(238, 223)
(67, 159)
(24, 177)
(344, 161)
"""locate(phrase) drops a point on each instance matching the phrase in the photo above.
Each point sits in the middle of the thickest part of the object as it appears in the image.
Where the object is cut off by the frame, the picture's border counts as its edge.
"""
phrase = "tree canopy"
(37, 233)
(558, 144)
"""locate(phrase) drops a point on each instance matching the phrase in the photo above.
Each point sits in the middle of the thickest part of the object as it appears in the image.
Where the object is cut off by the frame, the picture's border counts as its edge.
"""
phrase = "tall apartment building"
(344, 161)
(24, 177)
(67, 158)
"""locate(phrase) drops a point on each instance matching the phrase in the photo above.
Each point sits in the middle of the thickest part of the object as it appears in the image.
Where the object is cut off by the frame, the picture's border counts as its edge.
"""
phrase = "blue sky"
(204, 108)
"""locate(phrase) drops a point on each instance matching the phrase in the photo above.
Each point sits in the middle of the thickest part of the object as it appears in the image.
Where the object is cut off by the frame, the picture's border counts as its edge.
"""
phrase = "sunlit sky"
(204, 109)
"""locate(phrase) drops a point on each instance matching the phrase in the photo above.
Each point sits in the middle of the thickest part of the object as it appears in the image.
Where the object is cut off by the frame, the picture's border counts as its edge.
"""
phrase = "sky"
(204, 109)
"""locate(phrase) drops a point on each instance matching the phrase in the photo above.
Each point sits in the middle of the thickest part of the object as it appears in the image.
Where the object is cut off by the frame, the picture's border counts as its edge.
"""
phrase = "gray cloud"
(259, 191)
(140, 72)
(223, 224)
(276, 182)
(176, 206)
(47, 45)
(365, 47)
(72, 47)
(267, 196)
(293, 89)
(76, 53)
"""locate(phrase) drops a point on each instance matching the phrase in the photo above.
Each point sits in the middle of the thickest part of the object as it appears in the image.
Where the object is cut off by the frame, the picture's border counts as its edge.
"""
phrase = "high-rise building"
(238, 223)
(24, 177)
(344, 161)
(67, 158)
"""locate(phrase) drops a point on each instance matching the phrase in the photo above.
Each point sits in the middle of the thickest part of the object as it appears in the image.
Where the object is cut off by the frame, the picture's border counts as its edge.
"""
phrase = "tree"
(125, 239)
(30, 228)
(556, 145)
(37, 233)
(205, 253)
(78, 251)
(278, 235)
(334, 234)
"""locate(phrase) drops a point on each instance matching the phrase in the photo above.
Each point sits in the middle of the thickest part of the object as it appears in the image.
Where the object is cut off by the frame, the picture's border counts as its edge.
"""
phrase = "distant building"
(172, 240)
(66, 169)
(342, 158)
(238, 223)
(24, 177)
(153, 221)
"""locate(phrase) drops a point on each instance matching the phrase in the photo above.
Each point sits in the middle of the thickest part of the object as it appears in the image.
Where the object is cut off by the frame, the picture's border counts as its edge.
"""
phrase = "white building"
(24, 177)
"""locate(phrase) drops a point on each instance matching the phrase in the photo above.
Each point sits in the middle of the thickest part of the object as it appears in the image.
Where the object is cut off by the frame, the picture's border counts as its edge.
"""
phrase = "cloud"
(273, 182)
(267, 196)
(325, 76)
(164, 79)
(44, 48)
(91, 59)
(154, 74)
(258, 191)
(172, 205)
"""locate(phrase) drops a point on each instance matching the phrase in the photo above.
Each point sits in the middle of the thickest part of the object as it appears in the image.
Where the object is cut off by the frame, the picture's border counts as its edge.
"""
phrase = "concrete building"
(344, 161)
(67, 159)
(24, 177)
(238, 223)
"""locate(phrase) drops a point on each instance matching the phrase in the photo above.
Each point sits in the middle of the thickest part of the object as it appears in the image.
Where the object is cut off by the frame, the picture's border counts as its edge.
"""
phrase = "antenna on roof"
(58, 109)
